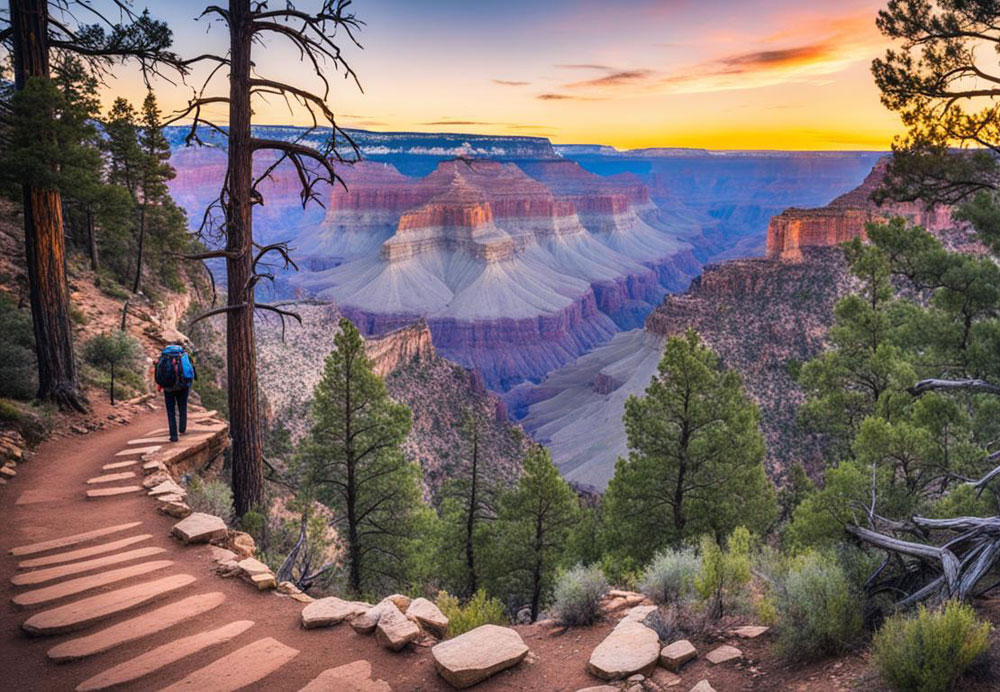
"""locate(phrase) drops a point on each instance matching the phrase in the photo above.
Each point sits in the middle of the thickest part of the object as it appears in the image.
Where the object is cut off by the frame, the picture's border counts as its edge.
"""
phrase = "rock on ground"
(395, 630)
(750, 631)
(199, 528)
(352, 677)
(674, 656)
(723, 653)
(330, 611)
(703, 686)
(428, 616)
(472, 657)
(630, 648)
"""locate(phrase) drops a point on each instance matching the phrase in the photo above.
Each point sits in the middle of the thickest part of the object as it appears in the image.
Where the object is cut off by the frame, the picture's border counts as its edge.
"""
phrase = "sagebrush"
(578, 596)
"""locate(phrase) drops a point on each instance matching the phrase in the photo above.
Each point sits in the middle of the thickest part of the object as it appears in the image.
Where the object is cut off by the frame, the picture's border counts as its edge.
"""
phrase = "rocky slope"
(439, 392)
(508, 278)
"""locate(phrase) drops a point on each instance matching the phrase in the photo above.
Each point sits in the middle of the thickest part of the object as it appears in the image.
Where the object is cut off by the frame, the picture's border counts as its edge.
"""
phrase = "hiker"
(174, 374)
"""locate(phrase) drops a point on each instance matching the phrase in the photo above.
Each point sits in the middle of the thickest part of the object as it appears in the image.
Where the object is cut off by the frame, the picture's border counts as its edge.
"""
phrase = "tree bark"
(95, 264)
(470, 553)
(241, 350)
(142, 242)
(45, 245)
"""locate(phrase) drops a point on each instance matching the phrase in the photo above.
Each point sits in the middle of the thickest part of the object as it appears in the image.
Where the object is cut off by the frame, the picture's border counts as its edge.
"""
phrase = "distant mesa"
(845, 218)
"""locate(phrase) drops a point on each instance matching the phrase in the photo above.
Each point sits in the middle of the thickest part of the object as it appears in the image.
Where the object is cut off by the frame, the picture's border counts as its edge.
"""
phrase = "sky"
(717, 74)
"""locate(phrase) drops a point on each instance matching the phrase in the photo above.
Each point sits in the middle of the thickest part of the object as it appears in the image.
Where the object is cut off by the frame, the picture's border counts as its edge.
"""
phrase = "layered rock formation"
(846, 217)
(439, 393)
(508, 279)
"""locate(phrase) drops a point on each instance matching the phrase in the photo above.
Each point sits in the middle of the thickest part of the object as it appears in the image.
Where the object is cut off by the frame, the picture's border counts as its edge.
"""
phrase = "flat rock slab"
(167, 487)
(674, 656)
(137, 450)
(637, 614)
(428, 616)
(49, 573)
(352, 677)
(199, 528)
(81, 584)
(326, 612)
(137, 627)
(750, 631)
(703, 686)
(112, 492)
(394, 630)
(67, 541)
(722, 654)
(82, 553)
(111, 477)
(630, 648)
(119, 465)
(149, 440)
(163, 656)
(239, 669)
(87, 611)
(470, 658)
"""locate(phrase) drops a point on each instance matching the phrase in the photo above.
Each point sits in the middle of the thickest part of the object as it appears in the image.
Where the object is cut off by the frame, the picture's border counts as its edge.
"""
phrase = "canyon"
(764, 316)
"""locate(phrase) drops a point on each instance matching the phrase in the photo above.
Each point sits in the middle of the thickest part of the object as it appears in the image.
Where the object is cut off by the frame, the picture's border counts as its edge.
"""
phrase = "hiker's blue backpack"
(173, 369)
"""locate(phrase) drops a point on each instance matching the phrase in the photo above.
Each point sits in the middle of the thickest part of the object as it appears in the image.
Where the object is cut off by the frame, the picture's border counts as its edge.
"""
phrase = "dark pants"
(176, 402)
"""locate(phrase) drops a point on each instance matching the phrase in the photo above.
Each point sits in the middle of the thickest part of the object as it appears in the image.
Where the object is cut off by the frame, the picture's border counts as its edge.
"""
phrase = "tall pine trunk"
(470, 526)
(95, 263)
(142, 242)
(241, 352)
(45, 245)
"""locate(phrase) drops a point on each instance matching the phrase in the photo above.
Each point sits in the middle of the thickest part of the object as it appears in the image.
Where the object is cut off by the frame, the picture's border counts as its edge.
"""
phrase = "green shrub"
(669, 578)
(724, 574)
(818, 613)
(578, 595)
(478, 610)
(929, 651)
(210, 497)
(17, 351)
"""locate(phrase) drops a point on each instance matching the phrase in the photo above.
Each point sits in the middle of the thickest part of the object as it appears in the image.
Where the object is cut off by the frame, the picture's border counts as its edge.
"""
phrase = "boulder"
(703, 686)
(199, 528)
(630, 648)
(174, 508)
(352, 677)
(395, 630)
(252, 567)
(428, 616)
(264, 581)
(472, 657)
(242, 544)
(367, 621)
(637, 614)
(329, 611)
(723, 653)
(400, 601)
(674, 656)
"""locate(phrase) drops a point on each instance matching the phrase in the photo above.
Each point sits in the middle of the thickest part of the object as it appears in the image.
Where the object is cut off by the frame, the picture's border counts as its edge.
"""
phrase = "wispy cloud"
(510, 82)
(458, 122)
(583, 66)
(615, 78)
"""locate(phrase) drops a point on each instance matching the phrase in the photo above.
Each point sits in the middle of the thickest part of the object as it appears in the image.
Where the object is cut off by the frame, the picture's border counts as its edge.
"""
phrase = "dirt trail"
(47, 501)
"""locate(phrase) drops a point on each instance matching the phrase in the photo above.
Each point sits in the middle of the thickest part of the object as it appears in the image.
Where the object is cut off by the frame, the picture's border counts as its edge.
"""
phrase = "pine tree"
(528, 539)
(468, 503)
(695, 462)
(354, 464)
(155, 171)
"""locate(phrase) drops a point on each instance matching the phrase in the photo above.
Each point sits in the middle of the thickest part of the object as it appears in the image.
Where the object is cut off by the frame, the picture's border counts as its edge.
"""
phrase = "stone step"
(118, 465)
(67, 541)
(149, 441)
(163, 656)
(137, 450)
(93, 581)
(239, 669)
(111, 477)
(50, 573)
(72, 555)
(113, 492)
(87, 611)
(136, 628)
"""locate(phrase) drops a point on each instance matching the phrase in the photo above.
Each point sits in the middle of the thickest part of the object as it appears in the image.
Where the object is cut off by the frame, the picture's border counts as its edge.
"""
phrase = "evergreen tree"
(468, 503)
(354, 464)
(112, 351)
(528, 539)
(696, 457)
(155, 171)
